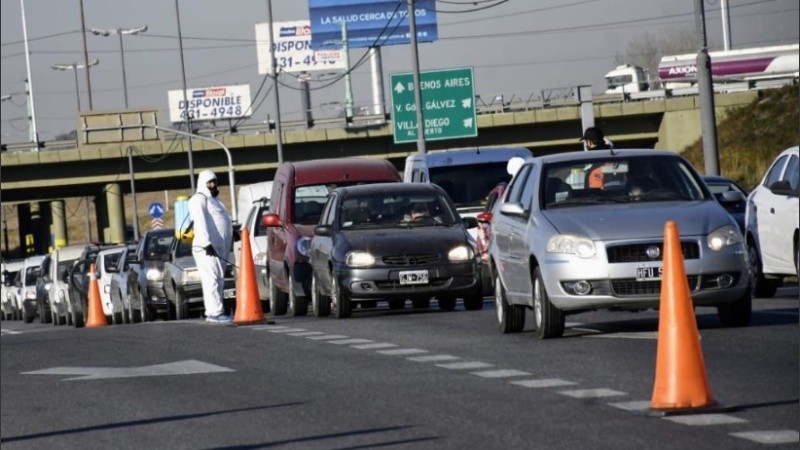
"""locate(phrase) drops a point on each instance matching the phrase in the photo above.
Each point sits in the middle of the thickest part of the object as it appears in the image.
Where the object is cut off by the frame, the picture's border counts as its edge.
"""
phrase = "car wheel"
(397, 304)
(278, 298)
(298, 306)
(319, 302)
(447, 303)
(144, 311)
(736, 313)
(473, 302)
(421, 303)
(342, 305)
(28, 315)
(44, 317)
(510, 318)
(760, 286)
(181, 305)
(549, 319)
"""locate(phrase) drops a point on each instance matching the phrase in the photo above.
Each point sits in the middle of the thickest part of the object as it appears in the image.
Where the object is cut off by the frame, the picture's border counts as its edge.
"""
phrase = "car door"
(519, 245)
(508, 229)
(777, 219)
(322, 246)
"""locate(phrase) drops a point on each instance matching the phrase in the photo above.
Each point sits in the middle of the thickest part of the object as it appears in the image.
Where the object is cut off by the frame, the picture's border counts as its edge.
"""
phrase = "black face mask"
(214, 191)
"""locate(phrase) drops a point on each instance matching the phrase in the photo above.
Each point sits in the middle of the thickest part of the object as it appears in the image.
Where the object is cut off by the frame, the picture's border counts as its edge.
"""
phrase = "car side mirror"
(470, 222)
(512, 209)
(783, 188)
(323, 230)
(731, 197)
(271, 220)
(484, 217)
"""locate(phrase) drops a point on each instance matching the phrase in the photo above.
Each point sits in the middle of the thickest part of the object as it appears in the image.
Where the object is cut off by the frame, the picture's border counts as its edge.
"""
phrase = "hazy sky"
(516, 47)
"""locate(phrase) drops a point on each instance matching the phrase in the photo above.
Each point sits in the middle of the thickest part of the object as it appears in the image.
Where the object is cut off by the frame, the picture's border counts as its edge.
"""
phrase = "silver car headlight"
(462, 253)
(575, 245)
(724, 237)
(359, 259)
(191, 276)
(303, 246)
(153, 275)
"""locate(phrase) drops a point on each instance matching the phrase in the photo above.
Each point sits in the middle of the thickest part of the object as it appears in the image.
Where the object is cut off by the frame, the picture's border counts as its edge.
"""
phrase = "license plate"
(229, 293)
(414, 277)
(648, 273)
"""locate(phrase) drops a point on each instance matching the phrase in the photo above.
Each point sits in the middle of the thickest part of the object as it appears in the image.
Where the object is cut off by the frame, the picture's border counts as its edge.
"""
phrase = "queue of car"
(557, 235)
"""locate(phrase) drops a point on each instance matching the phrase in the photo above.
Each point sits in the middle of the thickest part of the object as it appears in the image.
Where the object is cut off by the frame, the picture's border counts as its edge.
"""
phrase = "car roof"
(35, 260)
(602, 154)
(111, 250)
(71, 251)
(473, 155)
(321, 171)
(372, 188)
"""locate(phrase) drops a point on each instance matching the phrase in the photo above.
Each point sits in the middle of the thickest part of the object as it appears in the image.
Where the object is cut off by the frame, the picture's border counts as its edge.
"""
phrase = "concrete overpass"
(98, 162)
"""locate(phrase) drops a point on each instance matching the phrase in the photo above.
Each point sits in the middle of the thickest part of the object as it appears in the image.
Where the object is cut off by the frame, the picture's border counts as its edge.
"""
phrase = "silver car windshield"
(392, 210)
(619, 180)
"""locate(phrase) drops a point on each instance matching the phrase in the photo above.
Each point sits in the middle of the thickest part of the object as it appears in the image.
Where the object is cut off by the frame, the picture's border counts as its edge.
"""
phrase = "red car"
(484, 234)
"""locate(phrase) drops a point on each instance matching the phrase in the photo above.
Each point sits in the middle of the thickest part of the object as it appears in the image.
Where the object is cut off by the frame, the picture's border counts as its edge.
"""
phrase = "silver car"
(584, 230)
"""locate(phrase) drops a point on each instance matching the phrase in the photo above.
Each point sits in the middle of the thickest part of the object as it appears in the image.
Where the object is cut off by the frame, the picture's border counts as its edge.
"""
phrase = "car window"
(526, 196)
(792, 172)
(774, 173)
(517, 184)
(468, 184)
(328, 213)
(308, 203)
(396, 209)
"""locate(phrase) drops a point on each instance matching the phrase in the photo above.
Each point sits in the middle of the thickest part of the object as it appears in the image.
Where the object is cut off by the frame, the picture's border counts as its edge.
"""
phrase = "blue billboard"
(370, 23)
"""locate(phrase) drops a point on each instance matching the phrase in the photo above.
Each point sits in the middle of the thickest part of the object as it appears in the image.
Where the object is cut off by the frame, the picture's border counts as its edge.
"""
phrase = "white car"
(10, 291)
(31, 272)
(61, 261)
(771, 225)
(106, 265)
(257, 233)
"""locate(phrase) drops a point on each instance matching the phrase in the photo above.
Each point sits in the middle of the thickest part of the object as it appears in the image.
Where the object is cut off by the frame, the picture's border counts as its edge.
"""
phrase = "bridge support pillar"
(113, 230)
(58, 226)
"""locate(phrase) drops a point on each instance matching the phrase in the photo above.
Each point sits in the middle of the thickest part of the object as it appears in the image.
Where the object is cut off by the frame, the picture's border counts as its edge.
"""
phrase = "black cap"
(593, 134)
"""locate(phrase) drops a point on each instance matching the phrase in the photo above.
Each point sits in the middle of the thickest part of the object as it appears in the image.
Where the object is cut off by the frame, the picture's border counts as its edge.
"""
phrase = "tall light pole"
(34, 136)
(74, 67)
(119, 32)
(185, 99)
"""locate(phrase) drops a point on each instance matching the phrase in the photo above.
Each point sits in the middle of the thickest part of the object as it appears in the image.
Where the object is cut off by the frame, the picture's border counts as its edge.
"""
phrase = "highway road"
(395, 380)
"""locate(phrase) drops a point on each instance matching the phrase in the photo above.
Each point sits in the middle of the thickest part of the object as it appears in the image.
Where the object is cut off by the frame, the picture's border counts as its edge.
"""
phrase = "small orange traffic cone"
(248, 303)
(95, 316)
(681, 381)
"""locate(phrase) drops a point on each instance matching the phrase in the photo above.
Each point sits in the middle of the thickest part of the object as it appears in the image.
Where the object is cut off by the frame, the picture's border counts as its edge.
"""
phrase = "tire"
(421, 303)
(473, 302)
(549, 320)
(145, 314)
(510, 318)
(397, 304)
(44, 317)
(181, 305)
(737, 313)
(447, 303)
(320, 303)
(278, 298)
(77, 319)
(760, 287)
(298, 306)
(27, 316)
(343, 307)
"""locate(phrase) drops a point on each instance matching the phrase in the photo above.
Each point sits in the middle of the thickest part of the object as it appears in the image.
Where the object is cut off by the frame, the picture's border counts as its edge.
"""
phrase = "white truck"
(730, 69)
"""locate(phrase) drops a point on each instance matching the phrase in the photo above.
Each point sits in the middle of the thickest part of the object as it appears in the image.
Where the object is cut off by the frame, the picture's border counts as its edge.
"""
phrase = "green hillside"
(750, 137)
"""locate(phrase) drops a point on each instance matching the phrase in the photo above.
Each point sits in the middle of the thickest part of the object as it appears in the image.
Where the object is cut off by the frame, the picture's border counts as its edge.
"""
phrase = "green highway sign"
(448, 105)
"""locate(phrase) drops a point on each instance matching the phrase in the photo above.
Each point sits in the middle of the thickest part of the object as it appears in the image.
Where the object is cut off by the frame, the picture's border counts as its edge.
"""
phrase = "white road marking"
(188, 367)
(770, 437)
(374, 346)
(627, 335)
(639, 405)
(465, 365)
(287, 330)
(501, 373)
(327, 337)
(591, 393)
(10, 332)
(433, 358)
(704, 419)
(403, 351)
(306, 333)
(543, 383)
(267, 327)
(350, 341)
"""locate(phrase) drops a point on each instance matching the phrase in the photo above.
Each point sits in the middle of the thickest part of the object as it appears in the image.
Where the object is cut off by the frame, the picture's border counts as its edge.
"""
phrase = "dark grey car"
(145, 288)
(371, 246)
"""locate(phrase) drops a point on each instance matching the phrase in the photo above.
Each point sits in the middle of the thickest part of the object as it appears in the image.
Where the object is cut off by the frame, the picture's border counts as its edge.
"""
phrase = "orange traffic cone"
(248, 303)
(681, 381)
(95, 316)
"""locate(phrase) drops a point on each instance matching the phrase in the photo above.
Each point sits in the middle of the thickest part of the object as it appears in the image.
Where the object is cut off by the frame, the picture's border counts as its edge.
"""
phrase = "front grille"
(410, 260)
(629, 286)
(638, 252)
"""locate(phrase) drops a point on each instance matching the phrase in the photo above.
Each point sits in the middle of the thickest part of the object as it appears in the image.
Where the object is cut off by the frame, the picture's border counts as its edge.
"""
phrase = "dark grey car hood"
(404, 240)
(638, 220)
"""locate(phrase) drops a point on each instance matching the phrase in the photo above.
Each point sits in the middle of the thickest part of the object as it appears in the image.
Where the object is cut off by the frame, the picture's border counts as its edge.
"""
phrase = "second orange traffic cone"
(248, 303)
(94, 313)
(681, 381)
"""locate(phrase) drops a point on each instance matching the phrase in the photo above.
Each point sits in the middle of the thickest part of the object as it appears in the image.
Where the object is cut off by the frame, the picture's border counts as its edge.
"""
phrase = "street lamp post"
(119, 32)
(74, 67)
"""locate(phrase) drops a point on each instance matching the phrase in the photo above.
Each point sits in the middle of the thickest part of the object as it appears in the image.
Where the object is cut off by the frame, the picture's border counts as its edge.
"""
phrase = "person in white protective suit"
(213, 234)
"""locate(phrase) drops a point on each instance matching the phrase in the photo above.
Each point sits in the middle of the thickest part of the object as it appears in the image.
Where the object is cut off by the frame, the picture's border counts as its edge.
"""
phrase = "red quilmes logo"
(683, 70)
